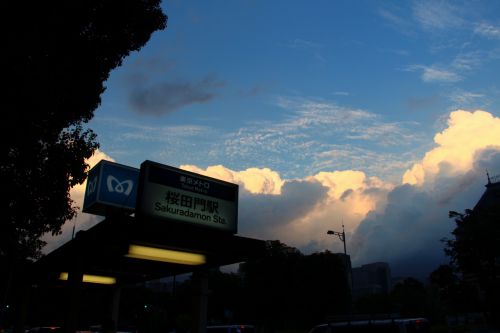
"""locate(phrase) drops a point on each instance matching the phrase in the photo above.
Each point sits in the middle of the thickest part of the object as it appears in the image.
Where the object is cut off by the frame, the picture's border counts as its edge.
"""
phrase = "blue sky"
(281, 84)
(382, 115)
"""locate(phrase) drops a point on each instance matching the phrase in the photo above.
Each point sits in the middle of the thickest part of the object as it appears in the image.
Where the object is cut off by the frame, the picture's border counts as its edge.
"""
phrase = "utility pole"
(341, 237)
(348, 268)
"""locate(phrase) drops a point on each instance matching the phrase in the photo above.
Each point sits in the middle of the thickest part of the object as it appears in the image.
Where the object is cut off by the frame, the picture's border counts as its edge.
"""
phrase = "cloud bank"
(398, 223)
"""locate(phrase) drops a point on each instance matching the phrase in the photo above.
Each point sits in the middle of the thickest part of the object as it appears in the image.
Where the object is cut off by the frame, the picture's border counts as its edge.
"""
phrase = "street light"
(348, 268)
(341, 237)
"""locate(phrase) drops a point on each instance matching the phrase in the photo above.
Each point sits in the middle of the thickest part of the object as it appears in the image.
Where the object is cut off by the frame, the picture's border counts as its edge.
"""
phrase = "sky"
(381, 116)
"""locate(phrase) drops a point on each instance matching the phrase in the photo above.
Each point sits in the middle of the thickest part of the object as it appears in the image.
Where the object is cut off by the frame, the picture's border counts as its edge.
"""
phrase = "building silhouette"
(371, 279)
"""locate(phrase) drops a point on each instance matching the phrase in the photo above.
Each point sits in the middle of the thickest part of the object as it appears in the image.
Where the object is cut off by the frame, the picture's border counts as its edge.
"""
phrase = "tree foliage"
(59, 54)
(288, 289)
(410, 297)
(475, 253)
(474, 249)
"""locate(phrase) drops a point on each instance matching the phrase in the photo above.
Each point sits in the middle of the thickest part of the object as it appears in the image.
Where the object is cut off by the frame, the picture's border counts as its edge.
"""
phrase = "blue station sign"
(111, 186)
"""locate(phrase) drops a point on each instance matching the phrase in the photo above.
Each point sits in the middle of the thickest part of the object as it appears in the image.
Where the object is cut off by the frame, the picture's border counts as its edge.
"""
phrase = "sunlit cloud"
(456, 145)
(384, 221)
(300, 211)
(254, 180)
(400, 224)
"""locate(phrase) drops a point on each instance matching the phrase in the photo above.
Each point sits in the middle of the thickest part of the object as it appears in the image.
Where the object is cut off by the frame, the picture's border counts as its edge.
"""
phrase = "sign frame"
(118, 192)
(171, 194)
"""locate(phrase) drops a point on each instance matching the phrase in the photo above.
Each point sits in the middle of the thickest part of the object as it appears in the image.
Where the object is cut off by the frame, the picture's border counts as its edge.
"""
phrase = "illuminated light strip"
(91, 278)
(156, 254)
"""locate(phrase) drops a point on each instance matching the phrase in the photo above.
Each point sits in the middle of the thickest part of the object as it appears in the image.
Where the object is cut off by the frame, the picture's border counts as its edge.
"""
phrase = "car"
(393, 325)
(231, 329)
(45, 329)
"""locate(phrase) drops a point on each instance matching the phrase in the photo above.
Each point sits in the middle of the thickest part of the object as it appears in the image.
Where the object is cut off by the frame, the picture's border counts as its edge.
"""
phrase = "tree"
(409, 296)
(453, 295)
(268, 284)
(286, 289)
(474, 251)
(59, 54)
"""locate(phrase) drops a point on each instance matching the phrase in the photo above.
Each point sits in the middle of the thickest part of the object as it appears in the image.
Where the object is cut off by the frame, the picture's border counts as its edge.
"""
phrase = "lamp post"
(341, 237)
(348, 268)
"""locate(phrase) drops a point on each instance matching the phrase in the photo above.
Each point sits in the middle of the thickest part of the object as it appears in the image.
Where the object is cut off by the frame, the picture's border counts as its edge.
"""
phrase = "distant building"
(371, 279)
(346, 262)
(490, 200)
(487, 206)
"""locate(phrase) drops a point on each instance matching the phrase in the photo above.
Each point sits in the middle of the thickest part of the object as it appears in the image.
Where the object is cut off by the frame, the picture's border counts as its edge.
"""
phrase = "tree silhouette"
(59, 54)
(409, 296)
(286, 289)
(474, 251)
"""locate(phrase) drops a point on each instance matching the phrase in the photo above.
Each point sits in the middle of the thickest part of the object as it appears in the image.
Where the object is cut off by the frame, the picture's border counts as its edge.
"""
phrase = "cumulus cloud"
(467, 133)
(300, 211)
(305, 209)
(407, 231)
(401, 224)
(254, 180)
(398, 223)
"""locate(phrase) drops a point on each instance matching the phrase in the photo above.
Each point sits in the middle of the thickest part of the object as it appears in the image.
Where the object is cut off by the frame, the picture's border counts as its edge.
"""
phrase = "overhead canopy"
(102, 250)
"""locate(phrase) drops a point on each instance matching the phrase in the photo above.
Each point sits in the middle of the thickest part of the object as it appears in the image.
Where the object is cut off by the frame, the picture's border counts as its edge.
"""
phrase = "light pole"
(348, 268)
(341, 237)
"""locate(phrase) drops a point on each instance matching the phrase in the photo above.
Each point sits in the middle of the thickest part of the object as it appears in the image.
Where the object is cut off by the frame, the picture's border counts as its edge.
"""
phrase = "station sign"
(111, 186)
(174, 194)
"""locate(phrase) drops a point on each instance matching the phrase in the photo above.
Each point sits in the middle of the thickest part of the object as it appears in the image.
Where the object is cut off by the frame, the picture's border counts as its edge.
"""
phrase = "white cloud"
(488, 30)
(311, 129)
(407, 232)
(398, 22)
(451, 176)
(467, 132)
(468, 61)
(435, 74)
(432, 15)
(465, 99)
(325, 201)
(400, 224)
(254, 180)
(431, 74)
(298, 43)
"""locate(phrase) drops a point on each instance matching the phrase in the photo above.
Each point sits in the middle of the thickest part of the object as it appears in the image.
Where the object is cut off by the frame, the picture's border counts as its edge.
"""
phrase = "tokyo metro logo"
(114, 185)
